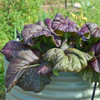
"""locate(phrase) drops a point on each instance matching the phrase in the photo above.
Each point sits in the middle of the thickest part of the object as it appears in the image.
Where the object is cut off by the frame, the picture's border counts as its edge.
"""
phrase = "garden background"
(14, 14)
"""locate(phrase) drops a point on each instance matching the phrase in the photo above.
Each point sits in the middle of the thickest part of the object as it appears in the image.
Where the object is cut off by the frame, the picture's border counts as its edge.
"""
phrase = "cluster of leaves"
(46, 48)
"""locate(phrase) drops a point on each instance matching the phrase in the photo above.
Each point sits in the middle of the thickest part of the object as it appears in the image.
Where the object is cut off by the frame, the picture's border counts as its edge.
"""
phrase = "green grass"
(2, 87)
(91, 10)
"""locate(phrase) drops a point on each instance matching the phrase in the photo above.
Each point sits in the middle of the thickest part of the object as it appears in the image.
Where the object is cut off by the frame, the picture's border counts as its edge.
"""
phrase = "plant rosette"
(50, 47)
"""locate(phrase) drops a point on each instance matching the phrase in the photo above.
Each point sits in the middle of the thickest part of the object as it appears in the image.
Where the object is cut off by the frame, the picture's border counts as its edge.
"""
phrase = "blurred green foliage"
(16, 13)
(90, 9)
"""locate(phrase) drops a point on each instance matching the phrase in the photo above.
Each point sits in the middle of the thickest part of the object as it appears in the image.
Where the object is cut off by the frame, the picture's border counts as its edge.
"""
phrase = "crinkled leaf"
(11, 47)
(94, 29)
(95, 63)
(91, 28)
(53, 55)
(28, 32)
(58, 22)
(32, 80)
(32, 31)
(55, 37)
(83, 30)
(48, 23)
(82, 55)
(18, 64)
(69, 60)
(64, 24)
(72, 26)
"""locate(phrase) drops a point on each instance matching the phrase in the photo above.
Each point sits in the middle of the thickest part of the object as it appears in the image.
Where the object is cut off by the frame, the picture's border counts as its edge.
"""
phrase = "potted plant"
(60, 47)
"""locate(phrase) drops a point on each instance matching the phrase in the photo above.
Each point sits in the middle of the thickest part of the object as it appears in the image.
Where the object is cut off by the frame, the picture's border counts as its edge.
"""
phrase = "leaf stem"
(34, 65)
(94, 58)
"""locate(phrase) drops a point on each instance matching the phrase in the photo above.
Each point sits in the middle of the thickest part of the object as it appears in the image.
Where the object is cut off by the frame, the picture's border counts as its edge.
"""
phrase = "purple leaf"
(18, 64)
(11, 47)
(96, 49)
(64, 24)
(32, 31)
(95, 63)
(94, 29)
(83, 30)
(48, 23)
(91, 28)
(45, 32)
(58, 22)
(57, 40)
(41, 23)
(33, 80)
(45, 69)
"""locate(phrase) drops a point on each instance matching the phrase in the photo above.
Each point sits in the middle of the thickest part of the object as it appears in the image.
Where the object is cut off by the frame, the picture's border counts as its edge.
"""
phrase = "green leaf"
(91, 53)
(72, 60)
(55, 72)
(37, 45)
(98, 56)
(89, 74)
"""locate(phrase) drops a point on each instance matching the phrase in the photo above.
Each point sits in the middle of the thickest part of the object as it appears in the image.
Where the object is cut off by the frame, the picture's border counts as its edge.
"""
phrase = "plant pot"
(67, 86)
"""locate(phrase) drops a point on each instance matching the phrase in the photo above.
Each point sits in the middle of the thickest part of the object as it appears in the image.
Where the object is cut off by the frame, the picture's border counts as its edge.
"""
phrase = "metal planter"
(67, 86)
